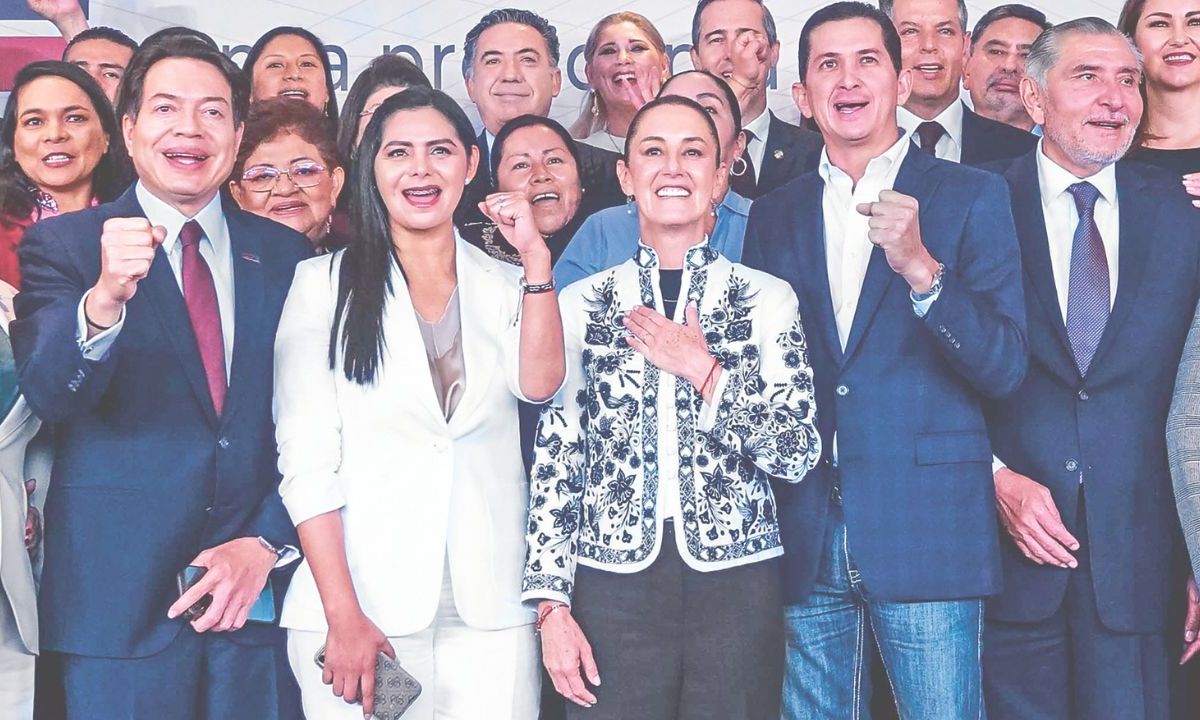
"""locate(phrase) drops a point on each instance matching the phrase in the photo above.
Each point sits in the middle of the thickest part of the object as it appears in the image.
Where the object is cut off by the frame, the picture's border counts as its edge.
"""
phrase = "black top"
(1178, 162)
(670, 283)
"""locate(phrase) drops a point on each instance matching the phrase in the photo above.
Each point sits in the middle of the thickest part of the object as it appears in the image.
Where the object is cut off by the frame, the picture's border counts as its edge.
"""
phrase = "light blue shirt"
(610, 237)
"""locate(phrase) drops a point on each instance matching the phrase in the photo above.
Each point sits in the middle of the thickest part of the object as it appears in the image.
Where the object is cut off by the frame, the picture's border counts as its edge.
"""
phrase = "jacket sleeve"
(764, 405)
(56, 379)
(557, 480)
(1183, 437)
(978, 320)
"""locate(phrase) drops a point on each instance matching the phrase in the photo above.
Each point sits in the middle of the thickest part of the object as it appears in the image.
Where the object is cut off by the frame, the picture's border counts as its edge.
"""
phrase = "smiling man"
(934, 41)
(909, 282)
(510, 65)
(146, 332)
(1084, 627)
(996, 62)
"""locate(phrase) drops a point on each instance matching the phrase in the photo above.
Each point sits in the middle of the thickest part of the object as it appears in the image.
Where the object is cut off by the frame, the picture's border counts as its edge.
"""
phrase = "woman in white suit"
(398, 366)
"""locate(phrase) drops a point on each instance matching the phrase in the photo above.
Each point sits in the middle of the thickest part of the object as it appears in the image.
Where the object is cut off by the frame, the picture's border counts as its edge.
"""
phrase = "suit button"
(224, 443)
(842, 390)
(439, 445)
(957, 345)
(208, 509)
(1072, 465)
(1083, 395)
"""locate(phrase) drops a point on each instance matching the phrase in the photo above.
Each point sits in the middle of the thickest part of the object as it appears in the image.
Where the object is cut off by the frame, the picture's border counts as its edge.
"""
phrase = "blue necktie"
(1088, 292)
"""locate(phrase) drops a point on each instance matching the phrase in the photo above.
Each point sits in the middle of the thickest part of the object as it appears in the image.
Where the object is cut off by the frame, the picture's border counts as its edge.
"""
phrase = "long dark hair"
(1127, 23)
(385, 70)
(364, 282)
(111, 175)
(331, 106)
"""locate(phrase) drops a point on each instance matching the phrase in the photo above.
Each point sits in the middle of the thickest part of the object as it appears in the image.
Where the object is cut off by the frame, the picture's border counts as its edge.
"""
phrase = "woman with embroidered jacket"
(652, 522)
(399, 362)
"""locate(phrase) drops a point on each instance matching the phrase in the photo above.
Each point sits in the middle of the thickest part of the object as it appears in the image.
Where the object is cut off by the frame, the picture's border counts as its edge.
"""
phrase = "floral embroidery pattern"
(596, 470)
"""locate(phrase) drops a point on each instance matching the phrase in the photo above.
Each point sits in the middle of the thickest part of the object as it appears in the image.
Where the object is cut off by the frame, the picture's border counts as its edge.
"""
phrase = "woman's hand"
(647, 82)
(351, 648)
(678, 349)
(514, 218)
(1191, 183)
(564, 649)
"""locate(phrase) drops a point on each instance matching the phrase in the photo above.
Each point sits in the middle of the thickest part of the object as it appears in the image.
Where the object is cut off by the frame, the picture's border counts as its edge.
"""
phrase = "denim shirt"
(610, 237)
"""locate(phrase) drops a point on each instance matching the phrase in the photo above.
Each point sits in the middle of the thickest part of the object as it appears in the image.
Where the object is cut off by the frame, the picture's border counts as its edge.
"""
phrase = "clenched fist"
(127, 247)
(895, 228)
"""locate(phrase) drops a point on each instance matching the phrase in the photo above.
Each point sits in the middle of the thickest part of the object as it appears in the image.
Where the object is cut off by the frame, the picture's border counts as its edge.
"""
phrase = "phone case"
(395, 689)
(263, 609)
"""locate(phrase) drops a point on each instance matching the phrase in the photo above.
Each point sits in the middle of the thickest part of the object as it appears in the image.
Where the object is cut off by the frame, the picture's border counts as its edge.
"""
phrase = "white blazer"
(411, 486)
(21, 457)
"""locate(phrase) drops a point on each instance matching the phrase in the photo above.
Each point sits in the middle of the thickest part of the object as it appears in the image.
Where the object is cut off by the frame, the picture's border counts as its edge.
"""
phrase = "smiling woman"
(60, 151)
(291, 62)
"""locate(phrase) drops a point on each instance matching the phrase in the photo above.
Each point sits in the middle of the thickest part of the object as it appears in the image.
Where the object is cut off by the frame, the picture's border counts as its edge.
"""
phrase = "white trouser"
(16, 668)
(465, 674)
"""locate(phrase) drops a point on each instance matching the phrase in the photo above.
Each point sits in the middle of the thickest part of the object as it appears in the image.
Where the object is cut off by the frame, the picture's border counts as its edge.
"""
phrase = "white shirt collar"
(951, 120)
(760, 126)
(211, 218)
(1054, 179)
(883, 165)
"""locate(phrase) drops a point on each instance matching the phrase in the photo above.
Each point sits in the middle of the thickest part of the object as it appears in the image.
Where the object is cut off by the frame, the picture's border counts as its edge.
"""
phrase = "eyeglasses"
(263, 178)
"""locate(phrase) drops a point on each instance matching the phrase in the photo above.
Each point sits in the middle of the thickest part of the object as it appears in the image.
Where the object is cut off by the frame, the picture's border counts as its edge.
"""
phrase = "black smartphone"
(188, 577)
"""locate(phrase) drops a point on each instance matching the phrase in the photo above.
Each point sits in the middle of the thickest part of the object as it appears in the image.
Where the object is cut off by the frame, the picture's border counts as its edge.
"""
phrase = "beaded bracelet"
(544, 614)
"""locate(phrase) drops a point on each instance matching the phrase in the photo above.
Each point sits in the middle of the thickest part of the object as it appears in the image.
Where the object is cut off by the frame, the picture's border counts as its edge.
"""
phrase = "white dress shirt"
(1062, 217)
(951, 120)
(214, 248)
(757, 148)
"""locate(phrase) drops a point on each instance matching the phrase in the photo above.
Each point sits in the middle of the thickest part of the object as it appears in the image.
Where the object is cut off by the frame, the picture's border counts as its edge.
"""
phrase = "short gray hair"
(1046, 51)
(889, 5)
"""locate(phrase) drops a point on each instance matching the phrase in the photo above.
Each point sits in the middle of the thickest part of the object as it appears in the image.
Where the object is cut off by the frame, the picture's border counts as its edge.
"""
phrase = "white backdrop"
(431, 31)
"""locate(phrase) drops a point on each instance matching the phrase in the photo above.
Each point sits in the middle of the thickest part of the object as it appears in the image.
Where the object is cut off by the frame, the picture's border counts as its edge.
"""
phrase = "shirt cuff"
(997, 465)
(288, 555)
(921, 307)
(96, 348)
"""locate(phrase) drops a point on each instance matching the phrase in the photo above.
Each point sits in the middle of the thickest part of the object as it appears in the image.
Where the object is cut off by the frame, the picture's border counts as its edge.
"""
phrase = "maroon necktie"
(929, 133)
(200, 296)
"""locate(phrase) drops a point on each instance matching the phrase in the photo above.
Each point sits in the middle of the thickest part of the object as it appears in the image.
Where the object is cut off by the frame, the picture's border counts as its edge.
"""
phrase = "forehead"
(673, 121)
(846, 37)
(533, 138)
(925, 10)
(695, 85)
(185, 78)
(1171, 7)
(284, 147)
(1011, 30)
(732, 14)
(418, 125)
(99, 50)
(50, 92)
(511, 37)
(291, 45)
(1103, 51)
(617, 31)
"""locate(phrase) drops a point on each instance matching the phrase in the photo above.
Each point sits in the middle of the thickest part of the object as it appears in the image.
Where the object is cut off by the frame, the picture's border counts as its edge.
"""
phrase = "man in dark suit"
(145, 333)
(908, 276)
(737, 40)
(510, 65)
(934, 37)
(1084, 626)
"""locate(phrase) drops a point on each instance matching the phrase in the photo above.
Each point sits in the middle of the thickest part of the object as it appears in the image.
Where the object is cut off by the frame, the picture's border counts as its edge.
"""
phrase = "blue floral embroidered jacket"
(595, 477)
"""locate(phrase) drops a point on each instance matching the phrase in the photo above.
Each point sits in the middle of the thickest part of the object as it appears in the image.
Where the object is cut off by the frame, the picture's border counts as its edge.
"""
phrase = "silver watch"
(934, 288)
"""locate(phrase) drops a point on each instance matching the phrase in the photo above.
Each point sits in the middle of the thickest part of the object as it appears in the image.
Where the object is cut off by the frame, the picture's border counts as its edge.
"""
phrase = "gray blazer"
(1183, 442)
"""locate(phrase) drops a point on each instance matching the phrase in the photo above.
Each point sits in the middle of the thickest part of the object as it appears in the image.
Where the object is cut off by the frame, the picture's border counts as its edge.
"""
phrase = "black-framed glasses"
(262, 178)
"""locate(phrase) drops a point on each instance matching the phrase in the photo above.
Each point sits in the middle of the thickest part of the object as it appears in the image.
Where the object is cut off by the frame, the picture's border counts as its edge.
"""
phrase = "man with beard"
(996, 63)
(933, 39)
(1083, 627)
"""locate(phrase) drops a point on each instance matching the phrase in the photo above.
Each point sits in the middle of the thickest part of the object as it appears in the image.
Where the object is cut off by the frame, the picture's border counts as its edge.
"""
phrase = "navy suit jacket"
(1111, 424)
(987, 141)
(791, 151)
(905, 397)
(145, 474)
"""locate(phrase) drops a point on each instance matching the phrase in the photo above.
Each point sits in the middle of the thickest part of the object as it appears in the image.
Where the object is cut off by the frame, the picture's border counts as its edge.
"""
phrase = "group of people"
(717, 408)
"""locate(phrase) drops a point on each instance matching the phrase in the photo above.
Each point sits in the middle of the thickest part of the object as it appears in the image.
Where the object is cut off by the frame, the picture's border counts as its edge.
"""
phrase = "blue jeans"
(931, 650)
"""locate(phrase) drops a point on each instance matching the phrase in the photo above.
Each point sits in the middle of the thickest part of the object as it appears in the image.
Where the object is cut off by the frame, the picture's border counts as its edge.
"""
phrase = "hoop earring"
(734, 171)
(629, 205)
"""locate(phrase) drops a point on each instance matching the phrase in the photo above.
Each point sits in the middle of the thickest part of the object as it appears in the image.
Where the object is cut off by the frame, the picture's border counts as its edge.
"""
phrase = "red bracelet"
(546, 612)
(708, 378)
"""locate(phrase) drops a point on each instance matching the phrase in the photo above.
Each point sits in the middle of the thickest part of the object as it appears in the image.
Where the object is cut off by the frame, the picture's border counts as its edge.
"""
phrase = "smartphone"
(263, 609)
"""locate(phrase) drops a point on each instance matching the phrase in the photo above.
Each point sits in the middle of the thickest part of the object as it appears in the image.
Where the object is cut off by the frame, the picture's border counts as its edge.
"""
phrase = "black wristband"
(94, 325)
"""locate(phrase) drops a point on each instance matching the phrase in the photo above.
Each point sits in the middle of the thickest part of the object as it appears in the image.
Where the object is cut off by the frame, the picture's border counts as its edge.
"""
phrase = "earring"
(595, 105)
(328, 225)
(714, 207)
(629, 205)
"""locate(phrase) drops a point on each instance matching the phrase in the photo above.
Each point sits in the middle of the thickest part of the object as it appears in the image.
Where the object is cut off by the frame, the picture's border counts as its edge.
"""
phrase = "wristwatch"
(934, 288)
(266, 544)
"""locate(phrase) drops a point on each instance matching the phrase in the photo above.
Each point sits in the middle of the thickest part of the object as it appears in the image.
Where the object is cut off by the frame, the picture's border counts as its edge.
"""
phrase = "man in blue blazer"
(145, 333)
(908, 276)
(1084, 627)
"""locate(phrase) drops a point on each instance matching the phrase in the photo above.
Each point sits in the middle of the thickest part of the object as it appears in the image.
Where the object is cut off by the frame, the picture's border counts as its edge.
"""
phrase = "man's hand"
(66, 15)
(1191, 626)
(564, 651)
(127, 247)
(1191, 183)
(894, 227)
(237, 573)
(1028, 513)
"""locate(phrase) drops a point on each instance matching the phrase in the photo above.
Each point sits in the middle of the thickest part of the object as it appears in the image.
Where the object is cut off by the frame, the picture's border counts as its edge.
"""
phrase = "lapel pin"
(778, 154)
(250, 257)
